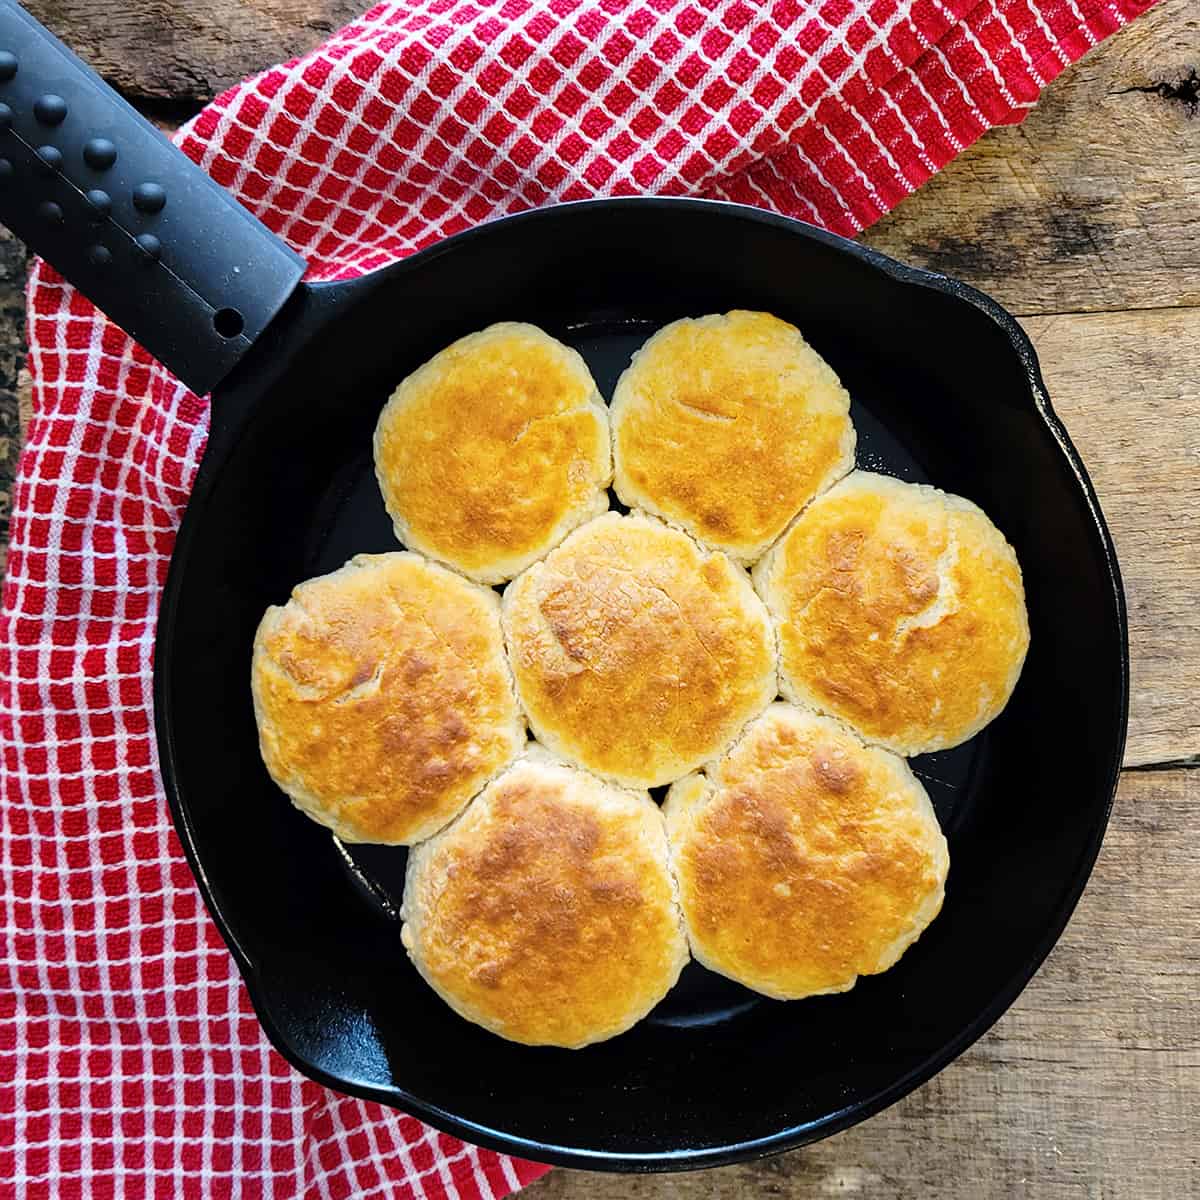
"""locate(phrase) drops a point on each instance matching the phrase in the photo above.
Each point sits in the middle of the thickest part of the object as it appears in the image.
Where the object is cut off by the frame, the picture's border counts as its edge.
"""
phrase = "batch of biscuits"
(766, 630)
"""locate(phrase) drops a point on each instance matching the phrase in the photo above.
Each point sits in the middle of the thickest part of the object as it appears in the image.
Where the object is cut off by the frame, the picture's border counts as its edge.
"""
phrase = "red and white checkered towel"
(132, 1063)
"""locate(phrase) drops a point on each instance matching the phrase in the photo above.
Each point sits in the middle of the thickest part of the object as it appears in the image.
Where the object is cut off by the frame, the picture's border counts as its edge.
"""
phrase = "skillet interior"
(946, 389)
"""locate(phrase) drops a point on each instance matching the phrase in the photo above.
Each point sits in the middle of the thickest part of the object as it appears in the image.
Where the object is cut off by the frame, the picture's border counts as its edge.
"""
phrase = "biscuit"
(490, 453)
(804, 858)
(900, 609)
(637, 654)
(727, 426)
(383, 698)
(547, 912)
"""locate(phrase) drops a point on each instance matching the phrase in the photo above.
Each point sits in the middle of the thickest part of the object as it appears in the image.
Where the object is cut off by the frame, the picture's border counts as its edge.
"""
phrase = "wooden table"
(1085, 221)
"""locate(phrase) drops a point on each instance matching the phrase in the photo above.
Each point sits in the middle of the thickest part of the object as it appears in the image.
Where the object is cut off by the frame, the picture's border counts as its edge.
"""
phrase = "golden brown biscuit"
(490, 453)
(805, 858)
(547, 912)
(636, 653)
(900, 609)
(727, 426)
(383, 698)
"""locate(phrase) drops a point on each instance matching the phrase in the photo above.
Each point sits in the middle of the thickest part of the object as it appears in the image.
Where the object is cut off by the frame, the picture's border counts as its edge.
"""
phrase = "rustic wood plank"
(1088, 1087)
(185, 53)
(1089, 205)
(1094, 201)
(1071, 211)
(1127, 385)
(13, 256)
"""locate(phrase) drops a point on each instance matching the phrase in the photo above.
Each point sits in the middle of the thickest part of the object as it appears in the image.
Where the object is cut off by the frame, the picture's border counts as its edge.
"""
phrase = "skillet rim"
(331, 297)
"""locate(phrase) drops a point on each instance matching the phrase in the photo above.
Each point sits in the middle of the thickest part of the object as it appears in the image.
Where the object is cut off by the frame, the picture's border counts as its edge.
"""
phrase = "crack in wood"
(1187, 763)
(1185, 91)
(168, 115)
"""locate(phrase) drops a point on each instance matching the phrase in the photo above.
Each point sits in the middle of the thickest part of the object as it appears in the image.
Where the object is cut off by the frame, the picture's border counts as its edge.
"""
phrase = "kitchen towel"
(131, 1064)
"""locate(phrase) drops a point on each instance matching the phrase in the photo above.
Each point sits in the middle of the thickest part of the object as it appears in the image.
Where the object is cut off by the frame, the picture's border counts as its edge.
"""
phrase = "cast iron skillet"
(946, 389)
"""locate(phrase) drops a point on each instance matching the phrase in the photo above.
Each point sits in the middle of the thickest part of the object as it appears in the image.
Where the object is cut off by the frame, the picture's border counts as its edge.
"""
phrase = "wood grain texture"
(1127, 386)
(1089, 1087)
(13, 258)
(1094, 201)
(186, 53)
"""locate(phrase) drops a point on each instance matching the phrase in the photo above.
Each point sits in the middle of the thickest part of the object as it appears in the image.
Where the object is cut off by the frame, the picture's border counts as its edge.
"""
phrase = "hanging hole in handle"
(228, 322)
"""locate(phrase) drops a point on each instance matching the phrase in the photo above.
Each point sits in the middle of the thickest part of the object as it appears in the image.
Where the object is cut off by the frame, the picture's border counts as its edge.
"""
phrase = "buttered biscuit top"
(636, 653)
(493, 450)
(382, 697)
(900, 609)
(804, 857)
(727, 426)
(547, 912)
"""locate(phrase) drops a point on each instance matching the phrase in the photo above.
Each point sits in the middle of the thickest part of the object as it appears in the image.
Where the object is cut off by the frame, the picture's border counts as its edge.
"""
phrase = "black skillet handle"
(142, 231)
